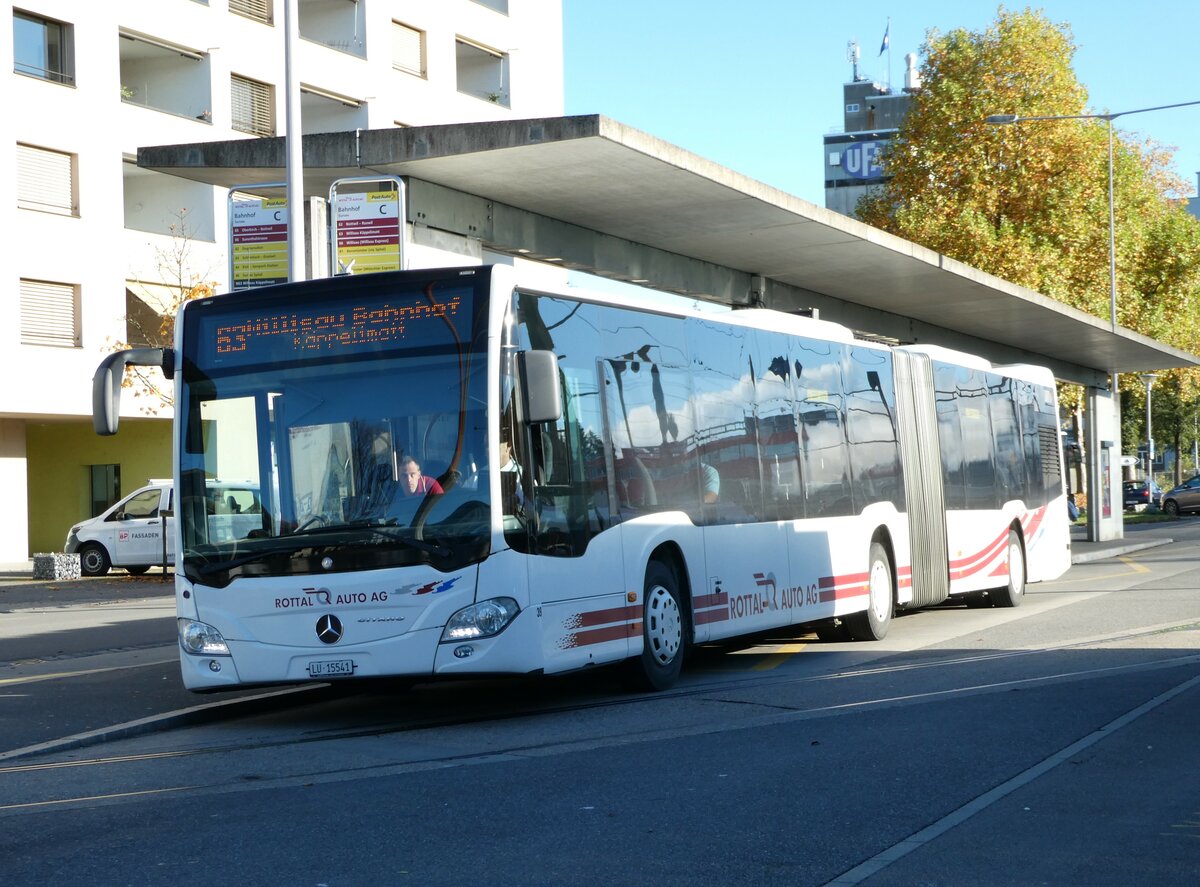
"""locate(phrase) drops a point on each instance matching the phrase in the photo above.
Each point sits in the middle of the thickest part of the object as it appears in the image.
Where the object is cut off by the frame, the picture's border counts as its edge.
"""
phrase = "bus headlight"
(481, 620)
(201, 639)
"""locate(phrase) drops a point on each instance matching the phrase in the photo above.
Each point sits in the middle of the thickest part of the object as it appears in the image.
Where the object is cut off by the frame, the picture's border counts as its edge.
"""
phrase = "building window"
(43, 48)
(106, 487)
(408, 49)
(482, 72)
(46, 181)
(258, 10)
(334, 23)
(49, 313)
(164, 76)
(253, 106)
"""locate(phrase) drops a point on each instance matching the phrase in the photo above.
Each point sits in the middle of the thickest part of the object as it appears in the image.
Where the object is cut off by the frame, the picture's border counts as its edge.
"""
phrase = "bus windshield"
(359, 414)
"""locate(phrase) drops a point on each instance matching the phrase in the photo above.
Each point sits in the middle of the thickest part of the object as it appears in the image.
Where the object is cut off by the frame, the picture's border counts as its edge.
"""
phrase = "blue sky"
(755, 85)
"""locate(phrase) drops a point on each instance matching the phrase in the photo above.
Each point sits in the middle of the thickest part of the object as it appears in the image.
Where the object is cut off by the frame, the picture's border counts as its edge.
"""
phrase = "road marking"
(150, 791)
(89, 762)
(779, 654)
(896, 852)
(1134, 565)
(1136, 568)
(33, 679)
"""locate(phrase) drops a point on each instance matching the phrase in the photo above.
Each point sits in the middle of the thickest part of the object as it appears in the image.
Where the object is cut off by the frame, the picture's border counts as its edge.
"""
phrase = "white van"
(130, 533)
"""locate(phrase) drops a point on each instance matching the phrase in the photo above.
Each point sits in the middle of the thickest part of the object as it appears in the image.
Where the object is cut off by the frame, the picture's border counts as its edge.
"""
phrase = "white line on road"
(880, 861)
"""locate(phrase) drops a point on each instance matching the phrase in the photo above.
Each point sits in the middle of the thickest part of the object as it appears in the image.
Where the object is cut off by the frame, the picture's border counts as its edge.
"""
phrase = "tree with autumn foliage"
(155, 327)
(1029, 202)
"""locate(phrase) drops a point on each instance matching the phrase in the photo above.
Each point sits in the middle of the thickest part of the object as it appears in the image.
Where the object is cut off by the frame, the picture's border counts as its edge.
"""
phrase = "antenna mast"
(852, 56)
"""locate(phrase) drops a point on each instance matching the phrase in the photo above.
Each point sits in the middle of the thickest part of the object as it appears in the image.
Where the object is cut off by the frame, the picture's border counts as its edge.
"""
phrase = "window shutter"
(259, 10)
(49, 314)
(45, 180)
(253, 110)
(408, 49)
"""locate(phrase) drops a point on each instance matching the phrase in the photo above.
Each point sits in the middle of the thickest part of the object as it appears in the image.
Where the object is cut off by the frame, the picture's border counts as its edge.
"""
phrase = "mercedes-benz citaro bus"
(462, 476)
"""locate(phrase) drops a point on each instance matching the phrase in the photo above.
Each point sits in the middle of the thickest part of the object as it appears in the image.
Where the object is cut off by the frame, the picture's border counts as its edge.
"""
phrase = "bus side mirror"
(106, 384)
(541, 390)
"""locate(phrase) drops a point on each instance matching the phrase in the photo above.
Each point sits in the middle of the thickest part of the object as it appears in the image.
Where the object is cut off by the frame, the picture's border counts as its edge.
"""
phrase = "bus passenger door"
(575, 563)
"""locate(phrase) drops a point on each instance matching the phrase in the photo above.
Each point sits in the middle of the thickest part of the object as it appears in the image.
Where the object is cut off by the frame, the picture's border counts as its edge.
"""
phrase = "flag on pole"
(886, 39)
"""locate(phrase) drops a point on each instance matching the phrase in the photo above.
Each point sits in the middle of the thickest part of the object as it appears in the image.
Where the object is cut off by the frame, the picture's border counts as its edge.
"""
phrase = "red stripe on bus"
(604, 617)
(602, 635)
(719, 599)
(834, 581)
(704, 617)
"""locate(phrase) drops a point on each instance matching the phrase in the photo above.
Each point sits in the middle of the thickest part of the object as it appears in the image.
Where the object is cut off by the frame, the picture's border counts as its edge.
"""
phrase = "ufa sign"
(861, 160)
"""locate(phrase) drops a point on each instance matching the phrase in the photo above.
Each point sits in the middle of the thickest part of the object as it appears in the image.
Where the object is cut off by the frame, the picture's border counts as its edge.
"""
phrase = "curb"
(1083, 557)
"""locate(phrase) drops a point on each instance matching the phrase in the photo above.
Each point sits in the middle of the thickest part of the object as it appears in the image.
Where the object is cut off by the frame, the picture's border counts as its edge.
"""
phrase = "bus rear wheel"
(663, 635)
(1013, 591)
(873, 623)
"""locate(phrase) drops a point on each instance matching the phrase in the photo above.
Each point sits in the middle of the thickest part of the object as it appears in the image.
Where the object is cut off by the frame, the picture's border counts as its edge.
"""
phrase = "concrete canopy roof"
(611, 184)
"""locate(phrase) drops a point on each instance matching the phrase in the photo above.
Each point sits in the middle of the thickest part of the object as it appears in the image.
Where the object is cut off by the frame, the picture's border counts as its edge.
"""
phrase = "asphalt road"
(1053, 744)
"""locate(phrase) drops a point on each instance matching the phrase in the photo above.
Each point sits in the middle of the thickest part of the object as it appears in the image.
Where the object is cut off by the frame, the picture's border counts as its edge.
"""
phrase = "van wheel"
(873, 623)
(137, 569)
(1012, 592)
(93, 560)
(663, 634)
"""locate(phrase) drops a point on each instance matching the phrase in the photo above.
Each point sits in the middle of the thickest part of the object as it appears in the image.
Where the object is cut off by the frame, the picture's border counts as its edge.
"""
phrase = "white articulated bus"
(462, 476)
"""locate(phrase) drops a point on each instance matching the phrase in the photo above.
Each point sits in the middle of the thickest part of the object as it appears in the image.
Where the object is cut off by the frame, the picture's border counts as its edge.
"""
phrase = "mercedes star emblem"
(329, 629)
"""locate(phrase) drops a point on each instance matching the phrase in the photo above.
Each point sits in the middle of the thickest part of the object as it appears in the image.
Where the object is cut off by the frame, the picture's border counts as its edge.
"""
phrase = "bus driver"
(413, 483)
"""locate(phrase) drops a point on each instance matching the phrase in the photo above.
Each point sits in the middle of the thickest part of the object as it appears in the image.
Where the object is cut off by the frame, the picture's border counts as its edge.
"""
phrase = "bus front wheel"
(873, 623)
(661, 661)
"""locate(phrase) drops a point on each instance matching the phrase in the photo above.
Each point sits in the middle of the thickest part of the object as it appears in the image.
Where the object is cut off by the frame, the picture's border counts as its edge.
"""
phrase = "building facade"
(871, 115)
(102, 249)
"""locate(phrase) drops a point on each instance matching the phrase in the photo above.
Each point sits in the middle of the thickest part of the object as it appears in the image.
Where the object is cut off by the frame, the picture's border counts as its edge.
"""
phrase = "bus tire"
(137, 569)
(663, 631)
(873, 623)
(832, 631)
(93, 560)
(1013, 591)
(977, 600)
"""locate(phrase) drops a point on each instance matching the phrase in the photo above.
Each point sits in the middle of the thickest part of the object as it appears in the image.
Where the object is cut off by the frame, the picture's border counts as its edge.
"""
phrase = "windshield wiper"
(218, 566)
(384, 531)
(379, 528)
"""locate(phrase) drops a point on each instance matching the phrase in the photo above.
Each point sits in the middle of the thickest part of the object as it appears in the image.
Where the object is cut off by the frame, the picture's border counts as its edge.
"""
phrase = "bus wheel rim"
(664, 625)
(1016, 568)
(880, 590)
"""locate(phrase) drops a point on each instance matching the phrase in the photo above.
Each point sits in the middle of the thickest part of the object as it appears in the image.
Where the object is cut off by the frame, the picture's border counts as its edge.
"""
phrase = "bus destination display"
(331, 328)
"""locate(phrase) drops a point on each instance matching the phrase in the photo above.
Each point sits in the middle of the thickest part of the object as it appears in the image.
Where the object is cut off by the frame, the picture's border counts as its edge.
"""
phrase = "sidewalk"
(1138, 537)
(18, 588)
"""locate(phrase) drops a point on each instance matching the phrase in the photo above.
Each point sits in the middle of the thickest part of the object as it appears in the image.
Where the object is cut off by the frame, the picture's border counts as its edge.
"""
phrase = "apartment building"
(99, 248)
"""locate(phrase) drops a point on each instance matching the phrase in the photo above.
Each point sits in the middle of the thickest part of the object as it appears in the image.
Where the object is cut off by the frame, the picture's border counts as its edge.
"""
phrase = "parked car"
(1142, 494)
(130, 533)
(1183, 498)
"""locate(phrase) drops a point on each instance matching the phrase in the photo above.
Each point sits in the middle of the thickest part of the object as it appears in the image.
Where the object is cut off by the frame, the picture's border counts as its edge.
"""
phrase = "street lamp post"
(1149, 378)
(1008, 119)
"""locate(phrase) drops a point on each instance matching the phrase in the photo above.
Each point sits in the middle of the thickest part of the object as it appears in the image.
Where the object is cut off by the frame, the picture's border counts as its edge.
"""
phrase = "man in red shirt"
(413, 483)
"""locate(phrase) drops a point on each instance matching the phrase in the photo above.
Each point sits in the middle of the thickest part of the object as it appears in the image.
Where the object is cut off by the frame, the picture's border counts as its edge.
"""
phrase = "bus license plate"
(331, 668)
